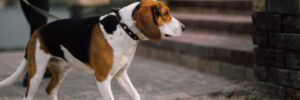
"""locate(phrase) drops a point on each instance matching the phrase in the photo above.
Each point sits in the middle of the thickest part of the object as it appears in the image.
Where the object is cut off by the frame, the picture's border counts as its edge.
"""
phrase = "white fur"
(41, 59)
(173, 28)
(123, 48)
(123, 80)
(105, 89)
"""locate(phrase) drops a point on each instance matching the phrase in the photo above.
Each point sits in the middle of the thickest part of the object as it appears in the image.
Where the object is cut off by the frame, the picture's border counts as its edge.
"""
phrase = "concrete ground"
(154, 80)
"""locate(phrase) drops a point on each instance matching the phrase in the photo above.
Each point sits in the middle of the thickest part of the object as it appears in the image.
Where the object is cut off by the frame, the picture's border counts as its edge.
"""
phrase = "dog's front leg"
(105, 89)
(125, 83)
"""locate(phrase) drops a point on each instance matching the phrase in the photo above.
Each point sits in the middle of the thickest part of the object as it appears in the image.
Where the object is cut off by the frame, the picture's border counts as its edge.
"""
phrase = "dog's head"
(155, 21)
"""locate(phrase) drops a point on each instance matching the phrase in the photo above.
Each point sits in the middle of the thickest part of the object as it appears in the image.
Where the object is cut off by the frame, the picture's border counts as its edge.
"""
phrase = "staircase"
(217, 39)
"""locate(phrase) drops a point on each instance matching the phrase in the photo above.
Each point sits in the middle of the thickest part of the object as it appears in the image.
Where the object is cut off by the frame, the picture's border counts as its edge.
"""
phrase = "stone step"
(240, 7)
(230, 24)
(206, 52)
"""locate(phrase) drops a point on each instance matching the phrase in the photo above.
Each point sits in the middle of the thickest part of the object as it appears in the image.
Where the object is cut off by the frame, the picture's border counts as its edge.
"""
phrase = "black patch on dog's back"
(73, 34)
(109, 23)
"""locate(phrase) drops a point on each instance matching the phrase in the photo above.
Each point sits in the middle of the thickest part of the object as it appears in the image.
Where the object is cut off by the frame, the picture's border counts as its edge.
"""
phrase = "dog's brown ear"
(146, 23)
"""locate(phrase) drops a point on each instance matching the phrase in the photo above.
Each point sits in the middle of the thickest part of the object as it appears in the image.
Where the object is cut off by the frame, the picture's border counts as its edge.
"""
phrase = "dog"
(100, 46)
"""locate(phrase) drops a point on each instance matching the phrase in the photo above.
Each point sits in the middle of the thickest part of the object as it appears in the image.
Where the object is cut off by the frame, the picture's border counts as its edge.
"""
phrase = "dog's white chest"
(123, 48)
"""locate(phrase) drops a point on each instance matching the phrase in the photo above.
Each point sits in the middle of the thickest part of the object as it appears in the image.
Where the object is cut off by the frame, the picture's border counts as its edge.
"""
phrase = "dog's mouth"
(167, 35)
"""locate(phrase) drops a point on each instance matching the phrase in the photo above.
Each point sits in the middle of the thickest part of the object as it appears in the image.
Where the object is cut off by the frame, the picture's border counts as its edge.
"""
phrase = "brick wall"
(277, 58)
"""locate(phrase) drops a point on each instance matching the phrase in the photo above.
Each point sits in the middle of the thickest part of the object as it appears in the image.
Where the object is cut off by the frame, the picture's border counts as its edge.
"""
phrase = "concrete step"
(240, 7)
(219, 54)
(231, 24)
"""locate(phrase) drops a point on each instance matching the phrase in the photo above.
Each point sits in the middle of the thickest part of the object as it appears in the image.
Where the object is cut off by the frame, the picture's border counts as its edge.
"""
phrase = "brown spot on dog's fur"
(101, 54)
(145, 21)
(31, 58)
(53, 81)
(165, 15)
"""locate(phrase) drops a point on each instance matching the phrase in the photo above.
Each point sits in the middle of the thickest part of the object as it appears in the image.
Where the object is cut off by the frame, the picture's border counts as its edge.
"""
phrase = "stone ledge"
(231, 24)
(241, 7)
(233, 62)
(225, 69)
(209, 46)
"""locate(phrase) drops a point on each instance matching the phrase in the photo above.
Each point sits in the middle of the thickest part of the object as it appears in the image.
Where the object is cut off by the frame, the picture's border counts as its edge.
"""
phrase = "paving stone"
(209, 66)
(232, 71)
(189, 61)
(250, 76)
(174, 96)
(272, 89)
(171, 57)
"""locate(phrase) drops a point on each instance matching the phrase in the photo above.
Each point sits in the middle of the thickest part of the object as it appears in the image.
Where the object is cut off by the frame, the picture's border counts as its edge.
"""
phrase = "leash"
(41, 11)
(124, 26)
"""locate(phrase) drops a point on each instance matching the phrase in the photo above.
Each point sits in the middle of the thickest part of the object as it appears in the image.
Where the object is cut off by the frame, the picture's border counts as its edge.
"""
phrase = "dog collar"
(124, 26)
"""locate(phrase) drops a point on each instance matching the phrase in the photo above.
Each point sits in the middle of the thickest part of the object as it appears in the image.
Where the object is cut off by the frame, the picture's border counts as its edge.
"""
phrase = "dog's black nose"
(183, 27)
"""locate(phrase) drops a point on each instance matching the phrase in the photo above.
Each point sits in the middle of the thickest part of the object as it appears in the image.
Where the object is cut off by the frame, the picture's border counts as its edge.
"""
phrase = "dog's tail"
(16, 75)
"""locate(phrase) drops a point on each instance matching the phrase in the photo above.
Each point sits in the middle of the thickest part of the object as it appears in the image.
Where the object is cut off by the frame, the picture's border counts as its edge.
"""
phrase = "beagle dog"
(100, 46)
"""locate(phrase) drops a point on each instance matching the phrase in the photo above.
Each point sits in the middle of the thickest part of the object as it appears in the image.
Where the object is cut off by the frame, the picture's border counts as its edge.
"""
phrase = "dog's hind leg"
(59, 70)
(37, 68)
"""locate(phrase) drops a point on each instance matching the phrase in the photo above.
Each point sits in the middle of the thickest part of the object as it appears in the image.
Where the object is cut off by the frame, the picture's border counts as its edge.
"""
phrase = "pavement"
(154, 80)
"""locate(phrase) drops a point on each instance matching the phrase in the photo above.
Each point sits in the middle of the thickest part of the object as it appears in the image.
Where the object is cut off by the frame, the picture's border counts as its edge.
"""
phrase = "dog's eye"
(166, 14)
